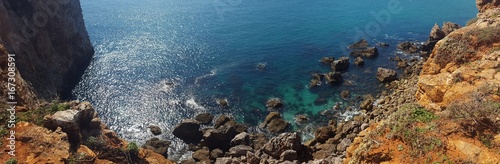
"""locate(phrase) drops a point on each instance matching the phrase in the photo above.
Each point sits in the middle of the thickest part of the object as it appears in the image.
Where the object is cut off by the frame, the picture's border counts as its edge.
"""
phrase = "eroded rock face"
(53, 51)
(484, 5)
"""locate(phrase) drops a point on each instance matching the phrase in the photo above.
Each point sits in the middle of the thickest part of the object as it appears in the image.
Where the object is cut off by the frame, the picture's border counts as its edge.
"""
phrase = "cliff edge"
(50, 41)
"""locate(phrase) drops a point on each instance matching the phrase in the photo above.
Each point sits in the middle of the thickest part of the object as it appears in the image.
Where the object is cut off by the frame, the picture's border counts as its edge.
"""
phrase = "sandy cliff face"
(50, 42)
(466, 61)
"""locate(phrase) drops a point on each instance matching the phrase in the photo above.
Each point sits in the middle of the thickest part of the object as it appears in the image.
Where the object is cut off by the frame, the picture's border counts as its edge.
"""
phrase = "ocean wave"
(213, 72)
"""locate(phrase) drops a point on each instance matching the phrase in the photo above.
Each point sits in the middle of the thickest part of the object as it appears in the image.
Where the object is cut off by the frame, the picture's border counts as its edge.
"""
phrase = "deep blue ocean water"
(160, 61)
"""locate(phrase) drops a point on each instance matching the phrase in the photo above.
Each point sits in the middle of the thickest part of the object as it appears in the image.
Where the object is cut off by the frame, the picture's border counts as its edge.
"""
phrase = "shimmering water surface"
(160, 61)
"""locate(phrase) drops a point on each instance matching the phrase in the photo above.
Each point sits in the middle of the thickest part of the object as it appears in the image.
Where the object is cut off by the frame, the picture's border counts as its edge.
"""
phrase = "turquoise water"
(210, 49)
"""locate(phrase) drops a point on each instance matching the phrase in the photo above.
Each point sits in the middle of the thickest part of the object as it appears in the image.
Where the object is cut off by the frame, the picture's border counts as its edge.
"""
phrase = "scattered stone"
(188, 131)
(342, 146)
(333, 77)
(368, 52)
(202, 155)
(327, 60)
(402, 64)
(386, 75)
(300, 119)
(155, 130)
(204, 118)
(324, 133)
(314, 83)
(157, 146)
(274, 103)
(359, 45)
(216, 153)
(367, 105)
(340, 64)
(359, 61)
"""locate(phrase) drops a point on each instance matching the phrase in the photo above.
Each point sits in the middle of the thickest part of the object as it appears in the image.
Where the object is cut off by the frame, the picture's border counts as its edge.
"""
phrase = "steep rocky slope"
(455, 116)
(51, 44)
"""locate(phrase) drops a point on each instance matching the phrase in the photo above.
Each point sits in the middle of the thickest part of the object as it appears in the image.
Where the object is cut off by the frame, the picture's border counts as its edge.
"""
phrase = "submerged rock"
(222, 102)
(345, 94)
(333, 77)
(327, 60)
(386, 75)
(382, 44)
(408, 47)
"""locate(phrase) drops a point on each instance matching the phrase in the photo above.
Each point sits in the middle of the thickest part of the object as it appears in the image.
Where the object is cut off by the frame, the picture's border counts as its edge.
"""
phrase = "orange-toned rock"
(484, 5)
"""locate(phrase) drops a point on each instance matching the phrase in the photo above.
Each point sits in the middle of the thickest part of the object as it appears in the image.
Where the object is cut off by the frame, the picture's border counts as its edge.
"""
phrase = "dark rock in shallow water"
(359, 45)
(345, 94)
(204, 118)
(408, 47)
(367, 52)
(157, 146)
(320, 101)
(382, 44)
(314, 83)
(340, 64)
(222, 102)
(155, 130)
(300, 119)
(386, 75)
(359, 61)
(334, 77)
(188, 131)
(327, 60)
(274, 103)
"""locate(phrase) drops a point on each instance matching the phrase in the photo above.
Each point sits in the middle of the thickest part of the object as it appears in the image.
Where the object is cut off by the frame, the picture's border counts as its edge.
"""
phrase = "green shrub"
(132, 147)
(11, 161)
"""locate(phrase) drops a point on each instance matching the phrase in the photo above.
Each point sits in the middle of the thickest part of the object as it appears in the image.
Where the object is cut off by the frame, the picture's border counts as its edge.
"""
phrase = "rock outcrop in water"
(51, 44)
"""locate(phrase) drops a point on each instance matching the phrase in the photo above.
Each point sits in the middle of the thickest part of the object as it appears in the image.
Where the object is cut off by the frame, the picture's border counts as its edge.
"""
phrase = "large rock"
(386, 75)
(274, 123)
(157, 146)
(53, 51)
(359, 61)
(408, 47)
(436, 33)
(367, 52)
(361, 44)
(484, 5)
(202, 155)
(239, 150)
(333, 77)
(204, 118)
(324, 133)
(188, 131)
(283, 142)
(327, 60)
(241, 139)
(40, 145)
(340, 64)
(155, 130)
(72, 121)
(449, 27)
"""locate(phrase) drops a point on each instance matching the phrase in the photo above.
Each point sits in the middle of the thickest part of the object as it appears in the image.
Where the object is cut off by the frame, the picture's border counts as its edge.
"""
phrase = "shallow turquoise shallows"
(160, 61)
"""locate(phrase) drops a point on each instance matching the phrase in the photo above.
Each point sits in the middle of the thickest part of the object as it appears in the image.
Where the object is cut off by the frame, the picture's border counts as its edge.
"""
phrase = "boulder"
(155, 130)
(361, 44)
(72, 121)
(436, 33)
(223, 119)
(367, 52)
(386, 75)
(204, 118)
(279, 144)
(333, 77)
(258, 140)
(300, 119)
(359, 61)
(241, 139)
(342, 146)
(157, 146)
(215, 138)
(274, 123)
(274, 103)
(340, 64)
(366, 105)
(239, 150)
(216, 153)
(202, 155)
(408, 47)
(188, 131)
(288, 155)
(324, 133)
(222, 102)
(449, 27)
(327, 60)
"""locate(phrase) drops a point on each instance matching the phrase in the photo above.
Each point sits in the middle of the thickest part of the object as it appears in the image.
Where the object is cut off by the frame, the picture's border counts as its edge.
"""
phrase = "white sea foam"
(192, 103)
(213, 72)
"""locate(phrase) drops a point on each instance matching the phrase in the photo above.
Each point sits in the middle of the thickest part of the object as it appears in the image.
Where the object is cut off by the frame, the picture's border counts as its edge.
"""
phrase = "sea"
(158, 62)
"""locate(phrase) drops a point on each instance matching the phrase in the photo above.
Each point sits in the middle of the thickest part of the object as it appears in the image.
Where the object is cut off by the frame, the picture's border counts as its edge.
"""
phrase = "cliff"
(51, 44)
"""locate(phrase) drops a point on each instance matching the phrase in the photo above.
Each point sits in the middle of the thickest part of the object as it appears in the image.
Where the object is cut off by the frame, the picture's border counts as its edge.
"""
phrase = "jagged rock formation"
(484, 5)
(51, 44)
(466, 60)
